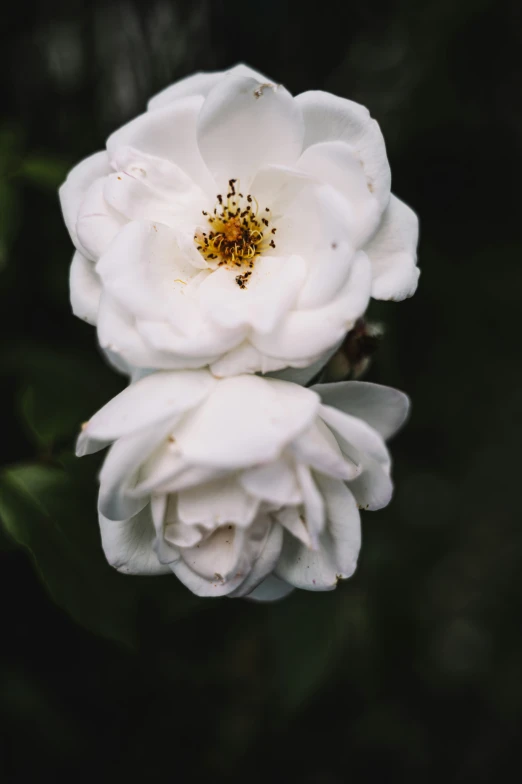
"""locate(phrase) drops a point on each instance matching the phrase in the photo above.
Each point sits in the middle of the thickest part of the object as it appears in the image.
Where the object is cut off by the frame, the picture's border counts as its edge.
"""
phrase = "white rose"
(235, 226)
(227, 482)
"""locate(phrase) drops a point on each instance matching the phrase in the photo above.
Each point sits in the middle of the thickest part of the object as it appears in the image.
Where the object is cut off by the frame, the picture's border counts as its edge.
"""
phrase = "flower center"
(238, 231)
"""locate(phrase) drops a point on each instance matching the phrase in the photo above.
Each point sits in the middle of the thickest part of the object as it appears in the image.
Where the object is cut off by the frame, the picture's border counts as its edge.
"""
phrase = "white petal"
(216, 503)
(277, 187)
(313, 504)
(318, 449)
(180, 478)
(336, 163)
(304, 375)
(339, 544)
(275, 482)
(362, 444)
(73, 190)
(270, 590)
(263, 564)
(355, 432)
(128, 544)
(330, 254)
(270, 293)
(85, 288)
(159, 396)
(293, 519)
(373, 488)
(329, 118)
(383, 408)
(121, 469)
(174, 531)
(143, 270)
(217, 558)
(245, 125)
(121, 341)
(306, 334)
(168, 133)
(116, 362)
(243, 359)
(164, 517)
(393, 253)
(223, 561)
(246, 420)
(98, 224)
(199, 84)
(145, 187)
(196, 349)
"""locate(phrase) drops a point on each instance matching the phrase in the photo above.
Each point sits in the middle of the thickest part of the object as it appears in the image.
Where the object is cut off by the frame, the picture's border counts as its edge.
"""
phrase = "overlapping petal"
(314, 171)
(226, 482)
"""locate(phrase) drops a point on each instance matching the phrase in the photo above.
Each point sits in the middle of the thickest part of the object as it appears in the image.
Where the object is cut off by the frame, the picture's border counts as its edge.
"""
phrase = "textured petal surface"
(330, 118)
(169, 133)
(393, 253)
(245, 125)
(73, 190)
(145, 187)
(128, 544)
(338, 549)
(97, 224)
(199, 84)
(275, 482)
(246, 420)
(222, 563)
(85, 288)
(306, 334)
(385, 409)
(159, 396)
(264, 563)
(145, 271)
(217, 503)
(270, 293)
(337, 164)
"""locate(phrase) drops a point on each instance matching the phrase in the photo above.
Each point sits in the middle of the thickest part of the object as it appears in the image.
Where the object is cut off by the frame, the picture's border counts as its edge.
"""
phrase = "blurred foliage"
(411, 669)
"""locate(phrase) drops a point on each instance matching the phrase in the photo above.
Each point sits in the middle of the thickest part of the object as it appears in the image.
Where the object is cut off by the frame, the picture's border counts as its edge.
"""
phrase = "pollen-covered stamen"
(238, 231)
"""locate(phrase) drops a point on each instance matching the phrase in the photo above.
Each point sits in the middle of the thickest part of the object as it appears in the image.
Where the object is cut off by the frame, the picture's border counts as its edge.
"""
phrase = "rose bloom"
(235, 226)
(244, 485)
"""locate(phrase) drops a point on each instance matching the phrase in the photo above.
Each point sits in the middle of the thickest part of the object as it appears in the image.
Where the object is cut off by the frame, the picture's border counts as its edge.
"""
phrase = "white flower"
(235, 226)
(227, 482)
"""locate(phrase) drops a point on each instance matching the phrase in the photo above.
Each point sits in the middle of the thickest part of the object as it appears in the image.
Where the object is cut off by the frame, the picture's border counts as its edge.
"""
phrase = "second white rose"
(241, 486)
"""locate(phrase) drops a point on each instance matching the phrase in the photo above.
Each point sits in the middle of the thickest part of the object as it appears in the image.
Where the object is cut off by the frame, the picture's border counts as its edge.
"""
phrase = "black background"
(410, 670)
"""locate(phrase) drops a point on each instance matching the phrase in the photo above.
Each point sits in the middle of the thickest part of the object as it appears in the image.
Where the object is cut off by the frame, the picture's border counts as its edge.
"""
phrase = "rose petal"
(159, 396)
(339, 544)
(73, 190)
(85, 288)
(221, 502)
(199, 84)
(383, 408)
(244, 125)
(169, 133)
(330, 118)
(336, 164)
(245, 421)
(129, 544)
(393, 253)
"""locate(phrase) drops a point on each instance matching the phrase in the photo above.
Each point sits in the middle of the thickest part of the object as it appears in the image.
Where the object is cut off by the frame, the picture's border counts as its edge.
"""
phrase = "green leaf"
(52, 513)
(59, 390)
(44, 170)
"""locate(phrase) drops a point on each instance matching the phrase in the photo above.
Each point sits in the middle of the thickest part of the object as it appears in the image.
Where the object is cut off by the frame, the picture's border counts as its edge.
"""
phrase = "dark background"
(411, 670)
